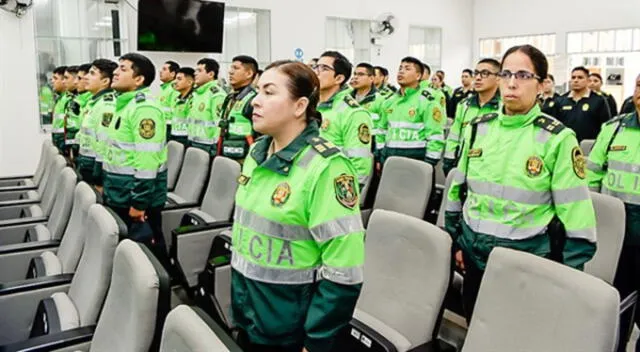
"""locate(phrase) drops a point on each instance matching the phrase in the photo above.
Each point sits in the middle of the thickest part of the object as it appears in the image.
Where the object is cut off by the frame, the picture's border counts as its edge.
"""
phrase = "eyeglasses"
(361, 74)
(483, 73)
(322, 68)
(520, 75)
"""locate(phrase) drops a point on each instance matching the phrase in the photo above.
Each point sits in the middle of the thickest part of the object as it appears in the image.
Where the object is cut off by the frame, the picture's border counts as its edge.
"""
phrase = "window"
(246, 32)
(496, 47)
(615, 40)
(350, 37)
(425, 44)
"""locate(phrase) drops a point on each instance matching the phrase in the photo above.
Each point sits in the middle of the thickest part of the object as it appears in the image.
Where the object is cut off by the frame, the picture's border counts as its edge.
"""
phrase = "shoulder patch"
(550, 124)
(483, 118)
(140, 97)
(427, 95)
(350, 101)
(323, 146)
(616, 119)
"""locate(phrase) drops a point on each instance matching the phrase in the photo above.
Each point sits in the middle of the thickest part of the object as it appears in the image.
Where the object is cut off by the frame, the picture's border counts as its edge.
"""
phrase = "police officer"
(75, 111)
(612, 164)
(582, 110)
(344, 122)
(412, 118)
(294, 292)
(439, 96)
(168, 94)
(366, 94)
(205, 107)
(381, 81)
(549, 97)
(46, 99)
(181, 108)
(437, 84)
(135, 170)
(99, 108)
(235, 125)
(69, 81)
(521, 169)
(485, 100)
(595, 84)
(447, 89)
(627, 106)
(61, 100)
(461, 93)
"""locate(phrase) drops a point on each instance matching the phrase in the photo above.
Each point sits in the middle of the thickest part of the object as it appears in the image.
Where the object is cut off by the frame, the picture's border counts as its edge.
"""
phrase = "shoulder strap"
(350, 101)
(427, 95)
(549, 124)
(484, 118)
(323, 146)
(214, 89)
(605, 166)
(616, 119)
(140, 97)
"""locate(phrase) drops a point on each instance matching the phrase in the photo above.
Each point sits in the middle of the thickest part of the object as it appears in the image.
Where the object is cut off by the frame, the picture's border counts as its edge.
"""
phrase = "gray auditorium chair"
(217, 204)
(443, 205)
(405, 187)
(193, 176)
(13, 231)
(528, 303)
(35, 205)
(50, 255)
(30, 180)
(191, 330)
(367, 184)
(407, 270)
(610, 221)
(28, 191)
(175, 156)
(77, 306)
(586, 145)
(133, 314)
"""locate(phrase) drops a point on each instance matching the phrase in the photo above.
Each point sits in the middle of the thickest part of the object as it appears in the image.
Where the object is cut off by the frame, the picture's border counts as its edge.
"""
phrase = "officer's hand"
(137, 215)
(100, 189)
(304, 349)
(459, 260)
(378, 168)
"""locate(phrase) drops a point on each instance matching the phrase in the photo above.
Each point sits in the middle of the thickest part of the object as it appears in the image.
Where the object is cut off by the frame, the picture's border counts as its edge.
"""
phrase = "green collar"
(125, 97)
(409, 92)
(631, 120)
(371, 96)
(474, 100)
(100, 94)
(164, 86)
(282, 161)
(205, 87)
(519, 120)
(242, 92)
(424, 84)
(336, 97)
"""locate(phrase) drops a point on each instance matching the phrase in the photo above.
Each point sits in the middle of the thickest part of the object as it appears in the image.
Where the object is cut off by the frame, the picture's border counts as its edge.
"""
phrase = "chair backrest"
(221, 191)
(63, 203)
(50, 192)
(193, 175)
(130, 316)
(42, 163)
(91, 280)
(189, 330)
(175, 155)
(52, 152)
(610, 222)
(367, 183)
(407, 269)
(443, 205)
(394, 192)
(74, 235)
(530, 303)
(586, 145)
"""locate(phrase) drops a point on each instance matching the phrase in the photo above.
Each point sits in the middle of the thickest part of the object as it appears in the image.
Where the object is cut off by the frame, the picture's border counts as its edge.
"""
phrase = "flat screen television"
(180, 25)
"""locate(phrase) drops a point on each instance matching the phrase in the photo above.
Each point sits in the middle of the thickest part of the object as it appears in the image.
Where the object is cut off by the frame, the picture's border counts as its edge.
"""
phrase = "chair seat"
(204, 216)
(67, 312)
(176, 198)
(51, 262)
(401, 343)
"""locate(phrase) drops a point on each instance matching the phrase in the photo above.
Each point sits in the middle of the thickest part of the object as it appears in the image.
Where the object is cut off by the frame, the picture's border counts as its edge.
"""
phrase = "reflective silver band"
(344, 276)
(337, 227)
(281, 276)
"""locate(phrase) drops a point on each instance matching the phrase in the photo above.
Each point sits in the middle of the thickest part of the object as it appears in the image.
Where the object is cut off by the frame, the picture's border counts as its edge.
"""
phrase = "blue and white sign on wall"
(299, 54)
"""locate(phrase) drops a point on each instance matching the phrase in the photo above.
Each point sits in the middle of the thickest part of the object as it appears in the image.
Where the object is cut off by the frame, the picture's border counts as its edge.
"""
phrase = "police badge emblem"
(345, 188)
(577, 158)
(534, 166)
(147, 128)
(281, 195)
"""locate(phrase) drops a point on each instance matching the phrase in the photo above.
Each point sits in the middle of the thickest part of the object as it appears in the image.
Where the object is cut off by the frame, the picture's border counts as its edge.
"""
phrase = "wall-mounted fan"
(383, 26)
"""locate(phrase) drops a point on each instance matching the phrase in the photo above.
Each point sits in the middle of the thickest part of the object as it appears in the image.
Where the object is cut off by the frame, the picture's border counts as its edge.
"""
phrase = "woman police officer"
(520, 180)
(298, 239)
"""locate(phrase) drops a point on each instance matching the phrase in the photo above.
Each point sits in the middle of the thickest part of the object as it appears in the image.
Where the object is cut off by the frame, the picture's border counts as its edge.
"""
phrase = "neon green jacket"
(414, 124)
(521, 172)
(46, 100)
(59, 110)
(298, 243)
(204, 116)
(135, 169)
(613, 168)
(373, 103)
(181, 119)
(348, 126)
(236, 116)
(74, 112)
(167, 98)
(467, 110)
(438, 95)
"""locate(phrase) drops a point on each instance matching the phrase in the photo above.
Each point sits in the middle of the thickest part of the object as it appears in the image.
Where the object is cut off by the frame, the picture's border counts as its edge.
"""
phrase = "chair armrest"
(434, 346)
(24, 221)
(183, 230)
(15, 178)
(629, 301)
(28, 246)
(10, 288)
(21, 203)
(18, 188)
(357, 336)
(53, 342)
(366, 215)
(176, 206)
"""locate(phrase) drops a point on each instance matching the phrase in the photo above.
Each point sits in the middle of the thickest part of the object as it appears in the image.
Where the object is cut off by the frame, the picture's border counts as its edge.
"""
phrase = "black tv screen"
(180, 25)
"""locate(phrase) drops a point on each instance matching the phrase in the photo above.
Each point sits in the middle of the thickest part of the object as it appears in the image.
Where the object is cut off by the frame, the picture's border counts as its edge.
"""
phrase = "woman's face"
(519, 95)
(273, 108)
(435, 80)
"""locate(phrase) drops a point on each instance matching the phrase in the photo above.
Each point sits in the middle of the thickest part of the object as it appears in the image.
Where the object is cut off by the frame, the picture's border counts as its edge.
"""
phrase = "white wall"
(294, 24)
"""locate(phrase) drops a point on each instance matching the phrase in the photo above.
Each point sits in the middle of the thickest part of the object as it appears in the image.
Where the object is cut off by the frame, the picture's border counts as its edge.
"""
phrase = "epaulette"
(427, 95)
(214, 89)
(140, 97)
(350, 101)
(483, 118)
(616, 119)
(323, 146)
(109, 97)
(549, 124)
(598, 93)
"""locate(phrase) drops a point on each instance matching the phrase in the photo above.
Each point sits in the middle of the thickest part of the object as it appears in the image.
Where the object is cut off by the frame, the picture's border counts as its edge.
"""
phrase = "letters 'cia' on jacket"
(521, 172)
(135, 169)
(298, 243)
(348, 126)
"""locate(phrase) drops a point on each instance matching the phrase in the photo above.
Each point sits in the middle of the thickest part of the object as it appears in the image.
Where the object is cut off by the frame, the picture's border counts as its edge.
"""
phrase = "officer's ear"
(139, 79)
(339, 78)
(301, 106)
